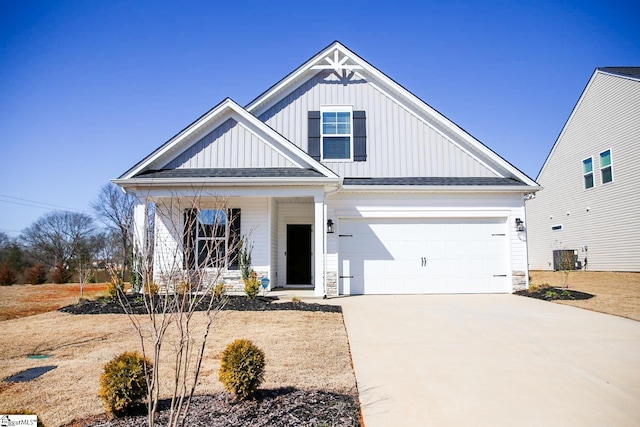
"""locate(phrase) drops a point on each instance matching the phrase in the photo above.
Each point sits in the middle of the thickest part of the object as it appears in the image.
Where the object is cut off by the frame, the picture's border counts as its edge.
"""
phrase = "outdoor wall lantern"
(519, 224)
(329, 226)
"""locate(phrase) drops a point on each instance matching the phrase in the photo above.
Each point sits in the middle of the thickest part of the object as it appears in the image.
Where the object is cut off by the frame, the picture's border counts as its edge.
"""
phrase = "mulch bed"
(106, 305)
(553, 294)
(280, 407)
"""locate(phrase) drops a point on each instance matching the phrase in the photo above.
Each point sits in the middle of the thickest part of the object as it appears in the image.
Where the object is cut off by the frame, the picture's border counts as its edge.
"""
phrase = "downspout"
(324, 248)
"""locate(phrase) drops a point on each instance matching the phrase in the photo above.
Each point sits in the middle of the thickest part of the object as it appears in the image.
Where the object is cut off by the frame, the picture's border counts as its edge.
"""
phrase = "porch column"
(318, 250)
(139, 237)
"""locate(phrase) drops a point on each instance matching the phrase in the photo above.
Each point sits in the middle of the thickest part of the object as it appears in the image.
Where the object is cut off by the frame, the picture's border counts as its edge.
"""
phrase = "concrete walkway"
(491, 360)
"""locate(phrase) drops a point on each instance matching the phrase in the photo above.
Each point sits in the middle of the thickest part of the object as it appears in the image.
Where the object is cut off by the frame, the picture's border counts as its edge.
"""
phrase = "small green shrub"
(242, 368)
(296, 300)
(252, 285)
(8, 275)
(36, 275)
(551, 294)
(123, 385)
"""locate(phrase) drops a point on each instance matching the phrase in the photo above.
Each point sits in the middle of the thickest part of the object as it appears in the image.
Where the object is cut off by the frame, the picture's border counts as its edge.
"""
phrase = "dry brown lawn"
(27, 300)
(306, 350)
(615, 293)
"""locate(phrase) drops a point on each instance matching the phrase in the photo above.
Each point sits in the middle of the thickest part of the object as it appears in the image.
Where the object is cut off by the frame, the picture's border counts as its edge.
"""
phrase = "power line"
(48, 206)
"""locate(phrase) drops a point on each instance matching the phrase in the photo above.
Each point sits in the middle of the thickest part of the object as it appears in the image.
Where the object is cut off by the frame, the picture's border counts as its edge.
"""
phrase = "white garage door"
(399, 256)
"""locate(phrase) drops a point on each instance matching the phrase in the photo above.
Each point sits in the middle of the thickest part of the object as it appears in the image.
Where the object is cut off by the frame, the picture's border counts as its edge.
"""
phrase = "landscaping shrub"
(8, 275)
(219, 291)
(36, 275)
(123, 385)
(60, 274)
(242, 368)
(184, 288)
(115, 286)
(252, 285)
(151, 289)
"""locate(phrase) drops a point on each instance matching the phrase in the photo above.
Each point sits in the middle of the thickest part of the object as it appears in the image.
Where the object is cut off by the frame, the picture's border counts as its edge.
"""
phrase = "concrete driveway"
(491, 360)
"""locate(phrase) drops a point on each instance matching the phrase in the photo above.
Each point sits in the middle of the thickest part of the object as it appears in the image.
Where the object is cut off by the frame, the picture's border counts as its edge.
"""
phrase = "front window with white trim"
(211, 238)
(336, 132)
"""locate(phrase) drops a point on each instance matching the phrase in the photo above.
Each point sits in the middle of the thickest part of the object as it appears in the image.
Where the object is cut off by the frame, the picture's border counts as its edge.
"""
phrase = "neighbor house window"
(605, 166)
(211, 238)
(587, 171)
(337, 133)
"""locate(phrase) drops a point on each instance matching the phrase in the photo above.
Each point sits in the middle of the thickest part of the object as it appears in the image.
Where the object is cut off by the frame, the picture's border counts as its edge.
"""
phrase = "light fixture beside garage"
(329, 226)
(519, 224)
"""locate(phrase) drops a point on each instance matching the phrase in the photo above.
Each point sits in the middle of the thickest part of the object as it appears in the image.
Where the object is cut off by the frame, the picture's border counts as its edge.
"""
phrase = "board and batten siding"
(398, 142)
(230, 145)
(446, 206)
(603, 218)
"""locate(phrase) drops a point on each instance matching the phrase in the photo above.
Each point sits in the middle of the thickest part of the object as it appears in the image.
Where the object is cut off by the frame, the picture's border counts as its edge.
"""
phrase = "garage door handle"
(346, 277)
(499, 275)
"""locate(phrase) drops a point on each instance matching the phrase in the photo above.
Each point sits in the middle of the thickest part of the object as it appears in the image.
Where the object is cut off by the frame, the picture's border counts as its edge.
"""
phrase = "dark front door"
(298, 254)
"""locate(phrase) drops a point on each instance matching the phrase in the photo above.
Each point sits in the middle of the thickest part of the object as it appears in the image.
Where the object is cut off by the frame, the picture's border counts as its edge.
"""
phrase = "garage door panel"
(394, 256)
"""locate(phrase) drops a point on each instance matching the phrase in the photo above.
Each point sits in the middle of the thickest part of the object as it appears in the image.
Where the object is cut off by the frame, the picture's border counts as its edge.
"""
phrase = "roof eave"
(242, 182)
(444, 188)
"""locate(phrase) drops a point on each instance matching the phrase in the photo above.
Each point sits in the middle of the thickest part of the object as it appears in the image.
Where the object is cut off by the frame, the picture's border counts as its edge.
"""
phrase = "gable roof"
(631, 73)
(213, 118)
(338, 57)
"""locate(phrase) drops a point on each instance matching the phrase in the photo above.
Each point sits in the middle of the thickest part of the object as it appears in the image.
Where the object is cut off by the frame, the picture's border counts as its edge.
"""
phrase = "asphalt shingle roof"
(623, 71)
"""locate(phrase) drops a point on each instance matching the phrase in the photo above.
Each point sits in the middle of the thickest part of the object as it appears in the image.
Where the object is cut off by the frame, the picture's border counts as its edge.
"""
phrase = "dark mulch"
(106, 305)
(552, 294)
(280, 407)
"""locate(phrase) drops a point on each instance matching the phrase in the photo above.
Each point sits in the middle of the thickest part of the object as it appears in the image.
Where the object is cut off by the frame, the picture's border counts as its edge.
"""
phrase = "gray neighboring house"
(590, 205)
(345, 182)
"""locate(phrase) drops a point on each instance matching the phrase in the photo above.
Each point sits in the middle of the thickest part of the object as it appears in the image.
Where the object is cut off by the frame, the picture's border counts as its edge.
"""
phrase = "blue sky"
(88, 88)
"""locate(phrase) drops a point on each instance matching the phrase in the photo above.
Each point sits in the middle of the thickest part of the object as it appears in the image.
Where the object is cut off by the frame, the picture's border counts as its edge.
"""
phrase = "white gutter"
(443, 188)
(240, 182)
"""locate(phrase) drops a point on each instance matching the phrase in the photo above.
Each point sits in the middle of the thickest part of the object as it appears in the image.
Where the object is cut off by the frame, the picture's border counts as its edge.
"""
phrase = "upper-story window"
(587, 171)
(605, 166)
(336, 133)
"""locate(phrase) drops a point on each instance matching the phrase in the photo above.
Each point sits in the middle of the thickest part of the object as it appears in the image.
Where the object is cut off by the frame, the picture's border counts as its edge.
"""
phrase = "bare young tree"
(57, 236)
(114, 208)
(187, 259)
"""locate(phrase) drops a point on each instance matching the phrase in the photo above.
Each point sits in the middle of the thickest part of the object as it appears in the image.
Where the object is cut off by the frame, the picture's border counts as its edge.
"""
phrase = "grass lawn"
(305, 350)
(615, 293)
(27, 300)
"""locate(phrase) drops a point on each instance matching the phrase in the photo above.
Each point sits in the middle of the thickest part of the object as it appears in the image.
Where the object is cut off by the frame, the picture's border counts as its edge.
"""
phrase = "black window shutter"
(189, 238)
(234, 239)
(313, 129)
(359, 136)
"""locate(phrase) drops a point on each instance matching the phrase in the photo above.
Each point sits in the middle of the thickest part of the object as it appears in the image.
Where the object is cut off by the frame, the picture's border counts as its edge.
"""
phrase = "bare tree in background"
(190, 265)
(114, 208)
(56, 237)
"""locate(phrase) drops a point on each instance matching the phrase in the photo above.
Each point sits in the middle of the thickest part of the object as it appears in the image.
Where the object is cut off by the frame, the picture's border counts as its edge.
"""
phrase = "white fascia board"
(271, 97)
(227, 109)
(566, 124)
(621, 76)
(442, 188)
